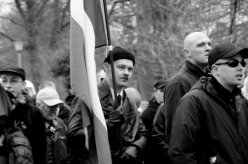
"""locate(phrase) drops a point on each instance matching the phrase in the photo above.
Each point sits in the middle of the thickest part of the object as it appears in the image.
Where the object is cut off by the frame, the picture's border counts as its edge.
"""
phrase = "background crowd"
(199, 115)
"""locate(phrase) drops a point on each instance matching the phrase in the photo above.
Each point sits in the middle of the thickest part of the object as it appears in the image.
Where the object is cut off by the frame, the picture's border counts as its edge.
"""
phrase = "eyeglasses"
(233, 63)
(11, 81)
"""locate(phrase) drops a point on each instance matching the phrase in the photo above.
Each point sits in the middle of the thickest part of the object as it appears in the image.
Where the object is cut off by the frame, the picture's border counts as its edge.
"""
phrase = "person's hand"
(130, 155)
(116, 118)
(22, 97)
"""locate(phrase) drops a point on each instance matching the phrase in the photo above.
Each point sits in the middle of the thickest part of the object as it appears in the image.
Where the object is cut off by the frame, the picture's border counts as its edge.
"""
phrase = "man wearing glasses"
(24, 116)
(211, 120)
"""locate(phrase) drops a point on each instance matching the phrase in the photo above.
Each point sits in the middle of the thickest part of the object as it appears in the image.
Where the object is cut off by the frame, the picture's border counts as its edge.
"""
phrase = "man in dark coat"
(23, 113)
(147, 118)
(126, 132)
(153, 104)
(196, 48)
(211, 119)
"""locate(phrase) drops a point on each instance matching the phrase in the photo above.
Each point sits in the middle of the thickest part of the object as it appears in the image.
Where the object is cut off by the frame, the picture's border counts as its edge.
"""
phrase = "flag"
(96, 13)
(83, 40)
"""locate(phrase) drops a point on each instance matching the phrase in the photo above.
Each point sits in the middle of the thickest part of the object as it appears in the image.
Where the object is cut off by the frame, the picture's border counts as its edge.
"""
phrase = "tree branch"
(21, 11)
(12, 21)
(40, 11)
(6, 36)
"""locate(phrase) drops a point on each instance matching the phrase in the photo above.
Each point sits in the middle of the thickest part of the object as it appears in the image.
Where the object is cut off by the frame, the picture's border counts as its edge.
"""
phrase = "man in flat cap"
(25, 116)
(210, 124)
(126, 132)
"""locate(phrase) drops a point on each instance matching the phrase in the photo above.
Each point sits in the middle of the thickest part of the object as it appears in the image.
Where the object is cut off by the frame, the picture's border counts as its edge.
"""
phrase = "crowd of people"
(198, 116)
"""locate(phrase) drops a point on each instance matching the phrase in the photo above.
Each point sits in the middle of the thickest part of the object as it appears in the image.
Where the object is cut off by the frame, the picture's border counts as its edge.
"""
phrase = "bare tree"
(41, 25)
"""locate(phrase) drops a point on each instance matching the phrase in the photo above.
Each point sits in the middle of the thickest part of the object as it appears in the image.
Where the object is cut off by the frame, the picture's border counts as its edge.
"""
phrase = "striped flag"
(87, 32)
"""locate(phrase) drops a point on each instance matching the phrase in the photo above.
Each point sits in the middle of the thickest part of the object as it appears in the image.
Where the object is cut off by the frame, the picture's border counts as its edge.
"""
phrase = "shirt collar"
(112, 93)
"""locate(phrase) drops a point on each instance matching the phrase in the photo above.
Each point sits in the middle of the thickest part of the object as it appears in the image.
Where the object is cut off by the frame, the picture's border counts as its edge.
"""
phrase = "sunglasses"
(233, 63)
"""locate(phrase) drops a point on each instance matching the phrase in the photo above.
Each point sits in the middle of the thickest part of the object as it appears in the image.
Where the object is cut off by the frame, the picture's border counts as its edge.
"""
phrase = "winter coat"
(132, 132)
(178, 86)
(5, 108)
(149, 113)
(158, 136)
(210, 122)
(80, 120)
(33, 123)
(64, 113)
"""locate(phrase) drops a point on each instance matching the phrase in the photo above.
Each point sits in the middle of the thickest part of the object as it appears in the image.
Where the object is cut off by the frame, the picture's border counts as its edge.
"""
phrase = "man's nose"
(126, 71)
(208, 47)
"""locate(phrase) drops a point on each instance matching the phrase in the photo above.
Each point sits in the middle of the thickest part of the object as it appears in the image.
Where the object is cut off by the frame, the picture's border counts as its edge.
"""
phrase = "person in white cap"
(49, 102)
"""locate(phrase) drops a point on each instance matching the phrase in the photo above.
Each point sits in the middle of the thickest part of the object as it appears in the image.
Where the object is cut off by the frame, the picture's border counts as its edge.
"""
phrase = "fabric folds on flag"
(96, 13)
(83, 41)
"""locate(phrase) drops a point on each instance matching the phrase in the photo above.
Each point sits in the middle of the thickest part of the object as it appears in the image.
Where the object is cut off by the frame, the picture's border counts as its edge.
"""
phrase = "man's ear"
(106, 67)
(186, 53)
(214, 70)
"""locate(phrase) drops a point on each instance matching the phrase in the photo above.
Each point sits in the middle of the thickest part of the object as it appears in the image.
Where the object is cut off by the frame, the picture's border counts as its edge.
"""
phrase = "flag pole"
(110, 48)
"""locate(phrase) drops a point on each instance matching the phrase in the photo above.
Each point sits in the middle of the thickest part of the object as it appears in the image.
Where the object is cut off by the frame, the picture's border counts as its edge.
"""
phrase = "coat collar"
(193, 69)
(103, 89)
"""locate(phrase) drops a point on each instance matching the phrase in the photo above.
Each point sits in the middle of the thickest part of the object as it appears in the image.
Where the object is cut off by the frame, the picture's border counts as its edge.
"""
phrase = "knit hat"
(225, 51)
(14, 70)
(120, 53)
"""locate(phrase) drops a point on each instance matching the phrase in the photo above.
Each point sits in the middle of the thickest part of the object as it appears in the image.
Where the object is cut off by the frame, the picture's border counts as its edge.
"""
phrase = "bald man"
(196, 49)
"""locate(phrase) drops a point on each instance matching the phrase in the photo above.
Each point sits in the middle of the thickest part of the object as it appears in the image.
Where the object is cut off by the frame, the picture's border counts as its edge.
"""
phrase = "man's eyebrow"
(203, 42)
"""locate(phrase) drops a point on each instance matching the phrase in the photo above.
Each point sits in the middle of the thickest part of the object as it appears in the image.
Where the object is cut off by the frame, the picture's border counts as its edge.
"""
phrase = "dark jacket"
(64, 113)
(5, 108)
(210, 121)
(80, 120)
(179, 85)
(159, 139)
(154, 152)
(34, 122)
(149, 113)
(131, 133)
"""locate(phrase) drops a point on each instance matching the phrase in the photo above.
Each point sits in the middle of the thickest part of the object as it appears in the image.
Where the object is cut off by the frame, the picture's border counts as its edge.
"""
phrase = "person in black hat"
(126, 132)
(153, 104)
(211, 119)
(24, 115)
(147, 118)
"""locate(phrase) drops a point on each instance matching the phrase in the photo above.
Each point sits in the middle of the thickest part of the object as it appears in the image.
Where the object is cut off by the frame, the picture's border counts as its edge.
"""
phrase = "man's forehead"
(202, 40)
(123, 61)
(196, 38)
(10, 76)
